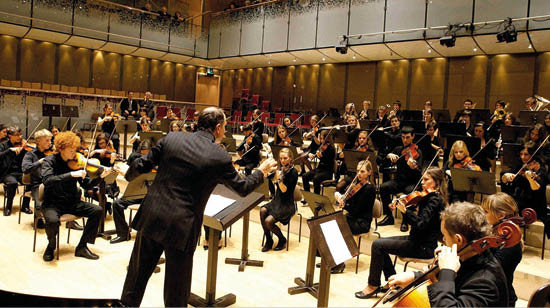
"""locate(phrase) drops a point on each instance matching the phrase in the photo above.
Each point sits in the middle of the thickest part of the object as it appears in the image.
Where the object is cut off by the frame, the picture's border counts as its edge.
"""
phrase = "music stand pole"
(324, 284)
(244, 261)
(125, 140)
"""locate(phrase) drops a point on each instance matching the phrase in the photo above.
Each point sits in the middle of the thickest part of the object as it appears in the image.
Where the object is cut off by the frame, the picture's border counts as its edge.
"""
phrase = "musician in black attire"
(325, 168)
(129, 106)
(382, 116)
(407, 175)
(390, 140)
(62, 196)
(282, 207)
(170, 216)
(257, 125)
(250, 149)
(431, 145)
(478, 281)
(3, 133)
(468, 104)
(313, 134)
(397, 110)
(488, 151)
(498, 207)
(11, 157)
(422, 239)
(32, 164)
(148, 106)
(108, 125)
(362, 144)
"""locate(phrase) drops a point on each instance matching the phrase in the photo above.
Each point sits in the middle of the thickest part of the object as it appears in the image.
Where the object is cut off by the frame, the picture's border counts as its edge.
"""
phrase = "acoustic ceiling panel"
(47, 36)
(119, 48)
(175, 58)
(311, 56)
(350, 56)
(540, 40)
(413, 49)
(13, 30)
(376, 52)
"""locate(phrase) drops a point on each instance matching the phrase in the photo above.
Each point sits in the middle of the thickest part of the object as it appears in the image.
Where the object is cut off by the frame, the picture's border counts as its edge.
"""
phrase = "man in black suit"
(129, 106)
(149, 106)
(468, 104)
(249, 149)
(170, 217)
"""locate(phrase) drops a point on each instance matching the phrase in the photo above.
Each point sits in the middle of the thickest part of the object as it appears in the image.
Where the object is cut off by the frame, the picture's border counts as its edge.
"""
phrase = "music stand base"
(224, 301)
(302, 288)
(242, 263)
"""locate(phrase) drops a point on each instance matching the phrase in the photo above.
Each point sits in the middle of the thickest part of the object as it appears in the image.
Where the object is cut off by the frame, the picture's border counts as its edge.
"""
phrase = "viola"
(413, 198)
(115, 116)
(410, 152)
(533, 166)
(467, 163)
(92, 165)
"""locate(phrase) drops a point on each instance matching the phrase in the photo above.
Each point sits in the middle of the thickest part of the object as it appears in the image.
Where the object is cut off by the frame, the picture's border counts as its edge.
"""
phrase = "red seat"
(248, 118)
(161, 112)
(294, 117)
(265, 118)
(177, 111)
(236, 117)
(189, 115)
(244, 93)
(306, 124)
(278, 120)
(265, 105)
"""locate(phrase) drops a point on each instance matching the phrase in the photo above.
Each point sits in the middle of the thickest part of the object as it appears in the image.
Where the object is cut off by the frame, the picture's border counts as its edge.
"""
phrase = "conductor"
(170, 217)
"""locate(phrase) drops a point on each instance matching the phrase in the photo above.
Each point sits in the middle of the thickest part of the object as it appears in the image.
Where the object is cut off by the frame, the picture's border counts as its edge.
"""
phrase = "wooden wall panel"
(427, 82)
(392, 81)
(135, 74)
(185, 83)
(106, 70)
(332, 86)
(543, 63)
(307, 84)
(37, 61)
(512, 78)
(162, 78)
(248, 78)
(8, 57)
(283, 86)
(227, 88)
(467, 79)
(361, 83)
(74, 66)
(261, 81)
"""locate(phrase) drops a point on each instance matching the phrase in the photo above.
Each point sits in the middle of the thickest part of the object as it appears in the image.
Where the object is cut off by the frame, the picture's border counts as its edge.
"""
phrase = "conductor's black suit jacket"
(189, 168)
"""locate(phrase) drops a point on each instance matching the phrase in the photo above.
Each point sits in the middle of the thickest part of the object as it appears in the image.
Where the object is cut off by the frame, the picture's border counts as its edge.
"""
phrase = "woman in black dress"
(281, 208)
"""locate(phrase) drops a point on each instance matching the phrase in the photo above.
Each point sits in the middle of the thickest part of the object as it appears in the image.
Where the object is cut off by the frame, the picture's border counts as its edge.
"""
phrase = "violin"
(532, 166)
(115, 116)
(285, 141)
(31, 147)
(415, 294)
(467, 163)
(92, 165)
(413, 198)
(410, 152)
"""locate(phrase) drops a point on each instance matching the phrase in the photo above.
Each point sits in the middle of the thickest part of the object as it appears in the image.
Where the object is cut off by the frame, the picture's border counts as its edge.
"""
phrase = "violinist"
(3, 133)
(459, 157)
(108, 125)
(381, 116)
(193, 126)
(408, 159)
(477, 281)
(32, 164)
(11, 157)
(349, 110)
(424, 219)
(362, 144)
(257, 125)
(104, 152)
(528, 184)
(170, 114)
(176, 126)
(364, 115)
(281, 208)
(129, 106)
(287, 123)
(249, 150)
(430, 148)
(312, 135)
(498, 207)
(429, 120)
(62, 196)
(281, 138)
(325, 168)
(537, 134)
(485, 158)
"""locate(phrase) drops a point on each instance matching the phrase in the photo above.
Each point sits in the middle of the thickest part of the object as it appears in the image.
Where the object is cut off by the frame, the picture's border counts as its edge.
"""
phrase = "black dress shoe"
(84, 252)
(26, 210)
(404, 227)
(40, 223)
(281, 244)
(387, 221)
(268, 245)
(48, 254)
(119, 239)
(362, 295)
(74, 225)
(338, 269)
(7, 212)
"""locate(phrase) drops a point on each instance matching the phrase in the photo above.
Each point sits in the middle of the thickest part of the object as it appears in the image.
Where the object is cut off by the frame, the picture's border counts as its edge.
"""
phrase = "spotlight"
(342, 46)
(509, 33)
(448, 41)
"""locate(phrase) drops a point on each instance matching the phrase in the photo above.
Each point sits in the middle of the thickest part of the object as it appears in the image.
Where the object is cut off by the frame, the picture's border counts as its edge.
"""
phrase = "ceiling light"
(530, 46)
(429, 51)
(353, 57)
(475, 49)
(294, 60)
(323, 59)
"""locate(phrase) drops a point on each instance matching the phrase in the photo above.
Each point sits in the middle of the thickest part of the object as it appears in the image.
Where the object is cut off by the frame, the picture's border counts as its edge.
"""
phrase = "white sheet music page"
(216, 204)
(335, 241)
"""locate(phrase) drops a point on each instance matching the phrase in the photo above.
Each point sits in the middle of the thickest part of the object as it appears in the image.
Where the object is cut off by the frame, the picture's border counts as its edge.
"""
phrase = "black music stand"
(372, 113)
(129, 126)
(165, 125)
(353, 157)
(330, 121)
(69, 112)
(531, 118)
(510, 155)
(441, 115)
(230, 144)
(219, 222)
(339, 136)
(332, 237)
(368, 124)
(413, 115)
(418, 126)
(450, 128)
(50, 110)
(480, 115)
(318, 204)
(137, 188)
(482, 182)
(154, 136)
(513, 133)
(296, 139)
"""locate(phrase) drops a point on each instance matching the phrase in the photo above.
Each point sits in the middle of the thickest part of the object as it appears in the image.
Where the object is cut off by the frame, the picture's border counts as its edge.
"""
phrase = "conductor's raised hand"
(269, 165)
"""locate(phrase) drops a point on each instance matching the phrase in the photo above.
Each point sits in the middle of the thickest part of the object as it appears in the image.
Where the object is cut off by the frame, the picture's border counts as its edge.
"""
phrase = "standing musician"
(357, 203)
(408, 159)
(108, 124)
(364, 115)
(148, 106)
(498, 207)
(422, 239)
(468, 104)
(32, 164)
(11, 157)
(257, 125)
(391, 140)
(459, 157)
(485, 158)
(325, 168)
(62, 196)
(129, 106)
(281, 208)
(249, 150)
(312, 135)
(3, 133)
(170, 216)
(528, 184)
(476, 282)
(281, 137)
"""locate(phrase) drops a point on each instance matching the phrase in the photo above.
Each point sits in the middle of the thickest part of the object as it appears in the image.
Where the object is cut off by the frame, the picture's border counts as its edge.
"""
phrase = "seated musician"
(351, 131)
(108, 125)
(281, 208)
(397, 110)
(476, 282)
(364, 115)
(3, 133)
(249, 150)
(422, 239)
(193, 126)
(382, 116)
(281, 137)
(287, 123)
(104, 151)
(531, 103)
(120, 205)
(459, 157)
(486, 156)
(362, 144)
(498, 207)
(312, 135)
(144, 127)
(11, 157)
(537, 134)
(257, 125)
(325, 169)
(408, 159)
(170, 114)
(468, 104)
(357, 203)
(528, 184)
(391, 140)
(176, 126)
(466, 118)
(129, 106)
(62, 196)
(349, 110)
(429, 120)
(32, 164)
(54, 130)
(546, 123)
(430, 149)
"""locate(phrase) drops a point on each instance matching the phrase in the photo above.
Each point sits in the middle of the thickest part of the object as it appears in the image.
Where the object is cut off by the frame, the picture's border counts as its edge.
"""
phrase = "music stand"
(330, 121)
(165, 125)
(513, 133)
(69, 112)
(368, 124)
(450, 128)
(510, 155)
(318, 204)
(275, 149)
(482, 182)
(530, 118)
(372, 113)
(137, 188)
(441, 115)
(154, 136)
(129, 126)
(217, 223)
(413, 115)
(332, 237)
(297, 139)
(230, 144)
(353, 157)
(339, 136)
(51, 110)
(418, 126)
(228, 134)
(480, 115)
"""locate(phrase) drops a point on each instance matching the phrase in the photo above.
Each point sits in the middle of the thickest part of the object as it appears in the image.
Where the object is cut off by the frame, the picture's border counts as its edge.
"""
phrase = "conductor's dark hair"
(407, 130)
(210, 117)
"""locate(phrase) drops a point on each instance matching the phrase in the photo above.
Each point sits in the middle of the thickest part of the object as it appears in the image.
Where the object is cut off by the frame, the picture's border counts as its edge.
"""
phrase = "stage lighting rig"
(343, 42)
(509, 34)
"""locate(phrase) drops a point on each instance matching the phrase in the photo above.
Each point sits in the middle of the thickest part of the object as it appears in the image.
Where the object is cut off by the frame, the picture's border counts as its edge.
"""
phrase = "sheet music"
(216, 204)
(335, 241)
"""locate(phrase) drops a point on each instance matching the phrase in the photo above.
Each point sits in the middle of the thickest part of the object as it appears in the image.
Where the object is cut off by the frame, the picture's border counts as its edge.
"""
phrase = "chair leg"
(130, 226)
(288, 235)
(358, 254)
(225, 238)
(300, 229)
(68, 235)
(543, 244)
(57, 241)
(405, 268)
(230, 230)
(35, 231)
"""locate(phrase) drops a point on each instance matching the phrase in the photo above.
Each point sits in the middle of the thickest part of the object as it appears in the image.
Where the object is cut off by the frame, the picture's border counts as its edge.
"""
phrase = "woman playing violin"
(325, 168)
(281, 137)
(312, 135)
(281, 208)
(459, 157)
(486, 157)
(537, 134)
(422, 239)
(103, 150)
(108, 125)
(287, 123)
(176, 126)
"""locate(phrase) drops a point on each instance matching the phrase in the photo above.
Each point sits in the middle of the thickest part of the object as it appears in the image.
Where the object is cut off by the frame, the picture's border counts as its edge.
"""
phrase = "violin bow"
(301, 115)
(35, 128)
(66, 124)
(534, 153)
(74, 125)
(415, 143)
(424, 173)
(483, 147)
